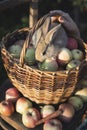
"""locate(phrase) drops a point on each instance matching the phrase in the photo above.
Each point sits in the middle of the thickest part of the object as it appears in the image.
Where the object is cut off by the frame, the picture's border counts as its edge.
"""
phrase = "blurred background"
(14, 14)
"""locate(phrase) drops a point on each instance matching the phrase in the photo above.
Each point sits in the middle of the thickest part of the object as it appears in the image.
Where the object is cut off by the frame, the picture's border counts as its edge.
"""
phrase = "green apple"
(72, 64)
(30, 56)
(77, 54)
(15, 50)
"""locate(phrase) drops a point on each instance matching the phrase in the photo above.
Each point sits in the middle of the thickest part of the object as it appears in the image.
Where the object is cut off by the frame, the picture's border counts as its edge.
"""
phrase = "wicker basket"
(39, 86)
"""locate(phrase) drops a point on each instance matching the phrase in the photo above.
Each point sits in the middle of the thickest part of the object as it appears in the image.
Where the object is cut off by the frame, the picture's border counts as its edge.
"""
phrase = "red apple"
(47, 110)
(64, 56)
(30, 117)
(68, 112)
(6, 108)
(72, 43)
(22, 105)
(12, 94)
(53, 124)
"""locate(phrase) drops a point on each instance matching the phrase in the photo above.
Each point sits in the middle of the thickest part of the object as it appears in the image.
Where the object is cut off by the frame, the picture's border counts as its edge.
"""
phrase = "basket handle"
(53, 115)
(31, 32)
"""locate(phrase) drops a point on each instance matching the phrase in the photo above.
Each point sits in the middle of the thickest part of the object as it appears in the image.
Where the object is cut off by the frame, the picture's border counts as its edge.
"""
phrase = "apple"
(76, 101)
(19, 42)
(49, 64)
(83, 81)
(53, 124)
(72, 64)
(30, 117)
(30, 56)
(12, 94)
(68, 112)
(47, 110)
(77, 54)
(82, 93)
(23, 104)
(72, 43)
(6, 108)
(64, 56)
(15, 50)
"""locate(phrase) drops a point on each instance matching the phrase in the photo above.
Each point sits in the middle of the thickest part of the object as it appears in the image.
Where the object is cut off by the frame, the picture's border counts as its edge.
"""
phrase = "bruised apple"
(30, 117)
(22, 105)
(12, 94)
(6, 108)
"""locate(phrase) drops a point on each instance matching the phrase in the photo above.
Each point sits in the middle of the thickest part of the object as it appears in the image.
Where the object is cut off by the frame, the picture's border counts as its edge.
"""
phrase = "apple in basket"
(53, 124)
(72, 43)
(49, 64)
(47, 110)
(77, 54)
(19, 42)
(6, 108)
(30, 117)
(82, 93)
(73, 64)
(68, 112)
(64, 56)
(83, 81)
(30, 56)
(76, 101)
(12, 94)
(15, 50)
(23, 104)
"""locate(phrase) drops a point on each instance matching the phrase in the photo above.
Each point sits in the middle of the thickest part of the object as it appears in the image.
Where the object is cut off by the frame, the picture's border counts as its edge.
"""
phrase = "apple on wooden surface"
(64, 56)
(68, 112)
(12, 94)
(30, 117)
(82, 93)
(77, 54)
(53, 124)
(47, 110)
(23, 104)
(6, 108)
(76, 101)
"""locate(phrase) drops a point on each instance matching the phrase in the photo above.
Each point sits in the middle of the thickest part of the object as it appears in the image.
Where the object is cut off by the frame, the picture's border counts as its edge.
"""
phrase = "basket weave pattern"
(39, 86)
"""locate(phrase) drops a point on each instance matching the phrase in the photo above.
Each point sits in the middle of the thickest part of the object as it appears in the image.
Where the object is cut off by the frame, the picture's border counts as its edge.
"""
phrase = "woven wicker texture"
(39, 86)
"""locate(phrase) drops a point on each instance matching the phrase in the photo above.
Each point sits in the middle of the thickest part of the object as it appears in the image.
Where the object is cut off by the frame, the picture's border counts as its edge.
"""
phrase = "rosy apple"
(12, 94)
(30, 117)
(82, 93)
(72, 43)
(77, 54)
(76, 101)
(47, 110)
(72, 64)
(49, 64)
(68, 112)
(64, 56)
(23, 104)
(53, 124)
(6, 108)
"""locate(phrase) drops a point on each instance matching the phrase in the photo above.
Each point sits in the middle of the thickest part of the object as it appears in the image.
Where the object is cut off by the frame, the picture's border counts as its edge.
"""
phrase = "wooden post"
(33, 13)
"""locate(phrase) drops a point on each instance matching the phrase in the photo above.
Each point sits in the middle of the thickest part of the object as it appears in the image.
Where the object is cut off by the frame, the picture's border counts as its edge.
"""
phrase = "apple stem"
(53, 115)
